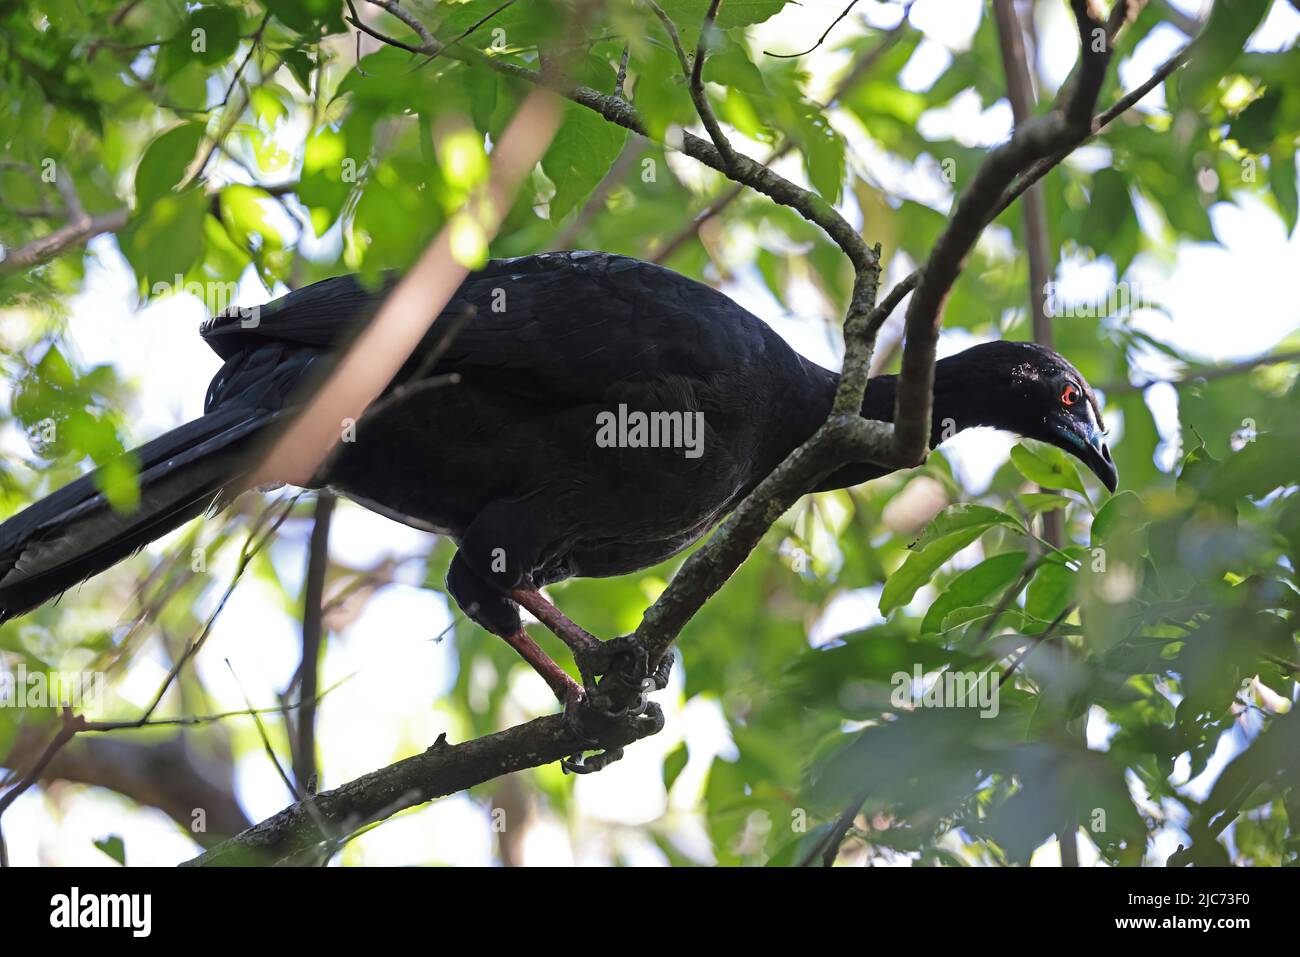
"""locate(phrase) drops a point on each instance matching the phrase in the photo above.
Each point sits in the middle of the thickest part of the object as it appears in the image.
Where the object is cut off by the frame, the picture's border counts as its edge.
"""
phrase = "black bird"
(606, 414)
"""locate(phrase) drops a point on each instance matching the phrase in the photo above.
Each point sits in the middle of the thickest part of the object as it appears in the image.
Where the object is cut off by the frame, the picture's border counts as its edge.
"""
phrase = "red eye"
(1070, 395)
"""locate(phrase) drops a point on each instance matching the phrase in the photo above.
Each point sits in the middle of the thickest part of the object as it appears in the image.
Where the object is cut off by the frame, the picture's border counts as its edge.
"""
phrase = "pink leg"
(565, 688)
(579, 640)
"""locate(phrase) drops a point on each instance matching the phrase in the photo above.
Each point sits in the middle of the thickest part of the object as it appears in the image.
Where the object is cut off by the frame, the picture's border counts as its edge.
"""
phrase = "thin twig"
(850, 80)
(1038, 640)
(465, 33)
(356, 21)
(298, 793)
(820, 40)
(829, 847)
(252, 546)
(194, 720)
(701, 98)
(1042, 167)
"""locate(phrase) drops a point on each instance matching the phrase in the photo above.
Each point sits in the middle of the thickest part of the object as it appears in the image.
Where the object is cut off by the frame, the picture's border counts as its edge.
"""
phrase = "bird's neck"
(955, 408)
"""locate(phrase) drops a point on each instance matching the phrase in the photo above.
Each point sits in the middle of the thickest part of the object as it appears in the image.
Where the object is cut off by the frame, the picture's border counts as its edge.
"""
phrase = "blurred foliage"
(247, 136)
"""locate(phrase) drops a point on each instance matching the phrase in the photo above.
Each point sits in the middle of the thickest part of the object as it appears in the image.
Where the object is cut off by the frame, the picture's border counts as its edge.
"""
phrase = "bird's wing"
(322, 315)
(565, 325)
(590, 325)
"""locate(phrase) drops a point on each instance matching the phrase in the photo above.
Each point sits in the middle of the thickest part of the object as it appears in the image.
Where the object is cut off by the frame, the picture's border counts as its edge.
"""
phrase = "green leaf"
(920, 567)
(963, 516)
(168, 239)
(1255, 127)
(972, 586)
(114, 847)
(243, 211)
(209, 36)
(119, 480)
(729, 64)
(300, 65)
(1050, 590)
(165, 161)
(1282, 183)
(1036, 502)
(312, 18)
(674, 764)
(1047, 466)
(660, 94)
(1122, 507)
(1226, 30)
(688, 15)
(1110, 224)
(823, 153)
(522, 23)
(579, 156)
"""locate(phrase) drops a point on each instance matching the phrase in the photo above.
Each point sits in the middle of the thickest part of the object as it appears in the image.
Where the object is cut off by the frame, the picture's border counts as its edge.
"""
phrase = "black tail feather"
(75, 533)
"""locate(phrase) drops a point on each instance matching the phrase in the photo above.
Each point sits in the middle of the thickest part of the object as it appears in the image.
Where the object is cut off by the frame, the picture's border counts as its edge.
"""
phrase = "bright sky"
(1222, 304)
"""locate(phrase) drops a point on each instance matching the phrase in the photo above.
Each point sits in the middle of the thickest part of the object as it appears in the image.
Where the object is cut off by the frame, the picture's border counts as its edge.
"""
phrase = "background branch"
(313, 630)
(1020, 91)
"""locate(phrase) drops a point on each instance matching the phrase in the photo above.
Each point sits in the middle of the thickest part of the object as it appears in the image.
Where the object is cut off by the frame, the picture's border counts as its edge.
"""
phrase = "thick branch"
(1035, 140)
(842, 439)
(59, 241)
(316, 826)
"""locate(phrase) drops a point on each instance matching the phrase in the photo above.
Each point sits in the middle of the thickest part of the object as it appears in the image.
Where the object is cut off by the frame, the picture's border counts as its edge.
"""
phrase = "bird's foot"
(628, 679)
(625, 659)
(576, 705)
(611, 737)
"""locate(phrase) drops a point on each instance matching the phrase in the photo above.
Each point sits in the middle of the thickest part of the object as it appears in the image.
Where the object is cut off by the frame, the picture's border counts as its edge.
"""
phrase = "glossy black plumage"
(507, 460)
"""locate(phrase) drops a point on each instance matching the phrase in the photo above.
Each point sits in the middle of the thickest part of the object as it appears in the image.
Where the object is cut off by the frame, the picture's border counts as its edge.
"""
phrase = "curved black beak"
(1088, 444)
(1097, 457)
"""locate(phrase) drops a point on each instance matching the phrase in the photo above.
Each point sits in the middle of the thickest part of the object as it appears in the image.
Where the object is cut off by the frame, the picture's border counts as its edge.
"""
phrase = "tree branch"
(295, 834)
(59, 241)
(701, 99)
(1040, 138)
(1043, 166)
(851, 79)
(313, 632)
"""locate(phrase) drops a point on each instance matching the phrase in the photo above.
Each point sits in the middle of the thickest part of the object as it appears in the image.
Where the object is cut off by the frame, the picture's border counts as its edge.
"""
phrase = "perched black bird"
(607, 414)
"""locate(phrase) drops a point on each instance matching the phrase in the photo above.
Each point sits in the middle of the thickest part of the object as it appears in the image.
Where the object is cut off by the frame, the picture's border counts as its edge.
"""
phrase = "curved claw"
(614, 714)
(664, 671)
(581, 764)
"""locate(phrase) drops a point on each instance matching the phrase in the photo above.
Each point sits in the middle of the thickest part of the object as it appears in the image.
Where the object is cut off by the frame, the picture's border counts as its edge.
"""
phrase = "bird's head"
(1030, 390)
